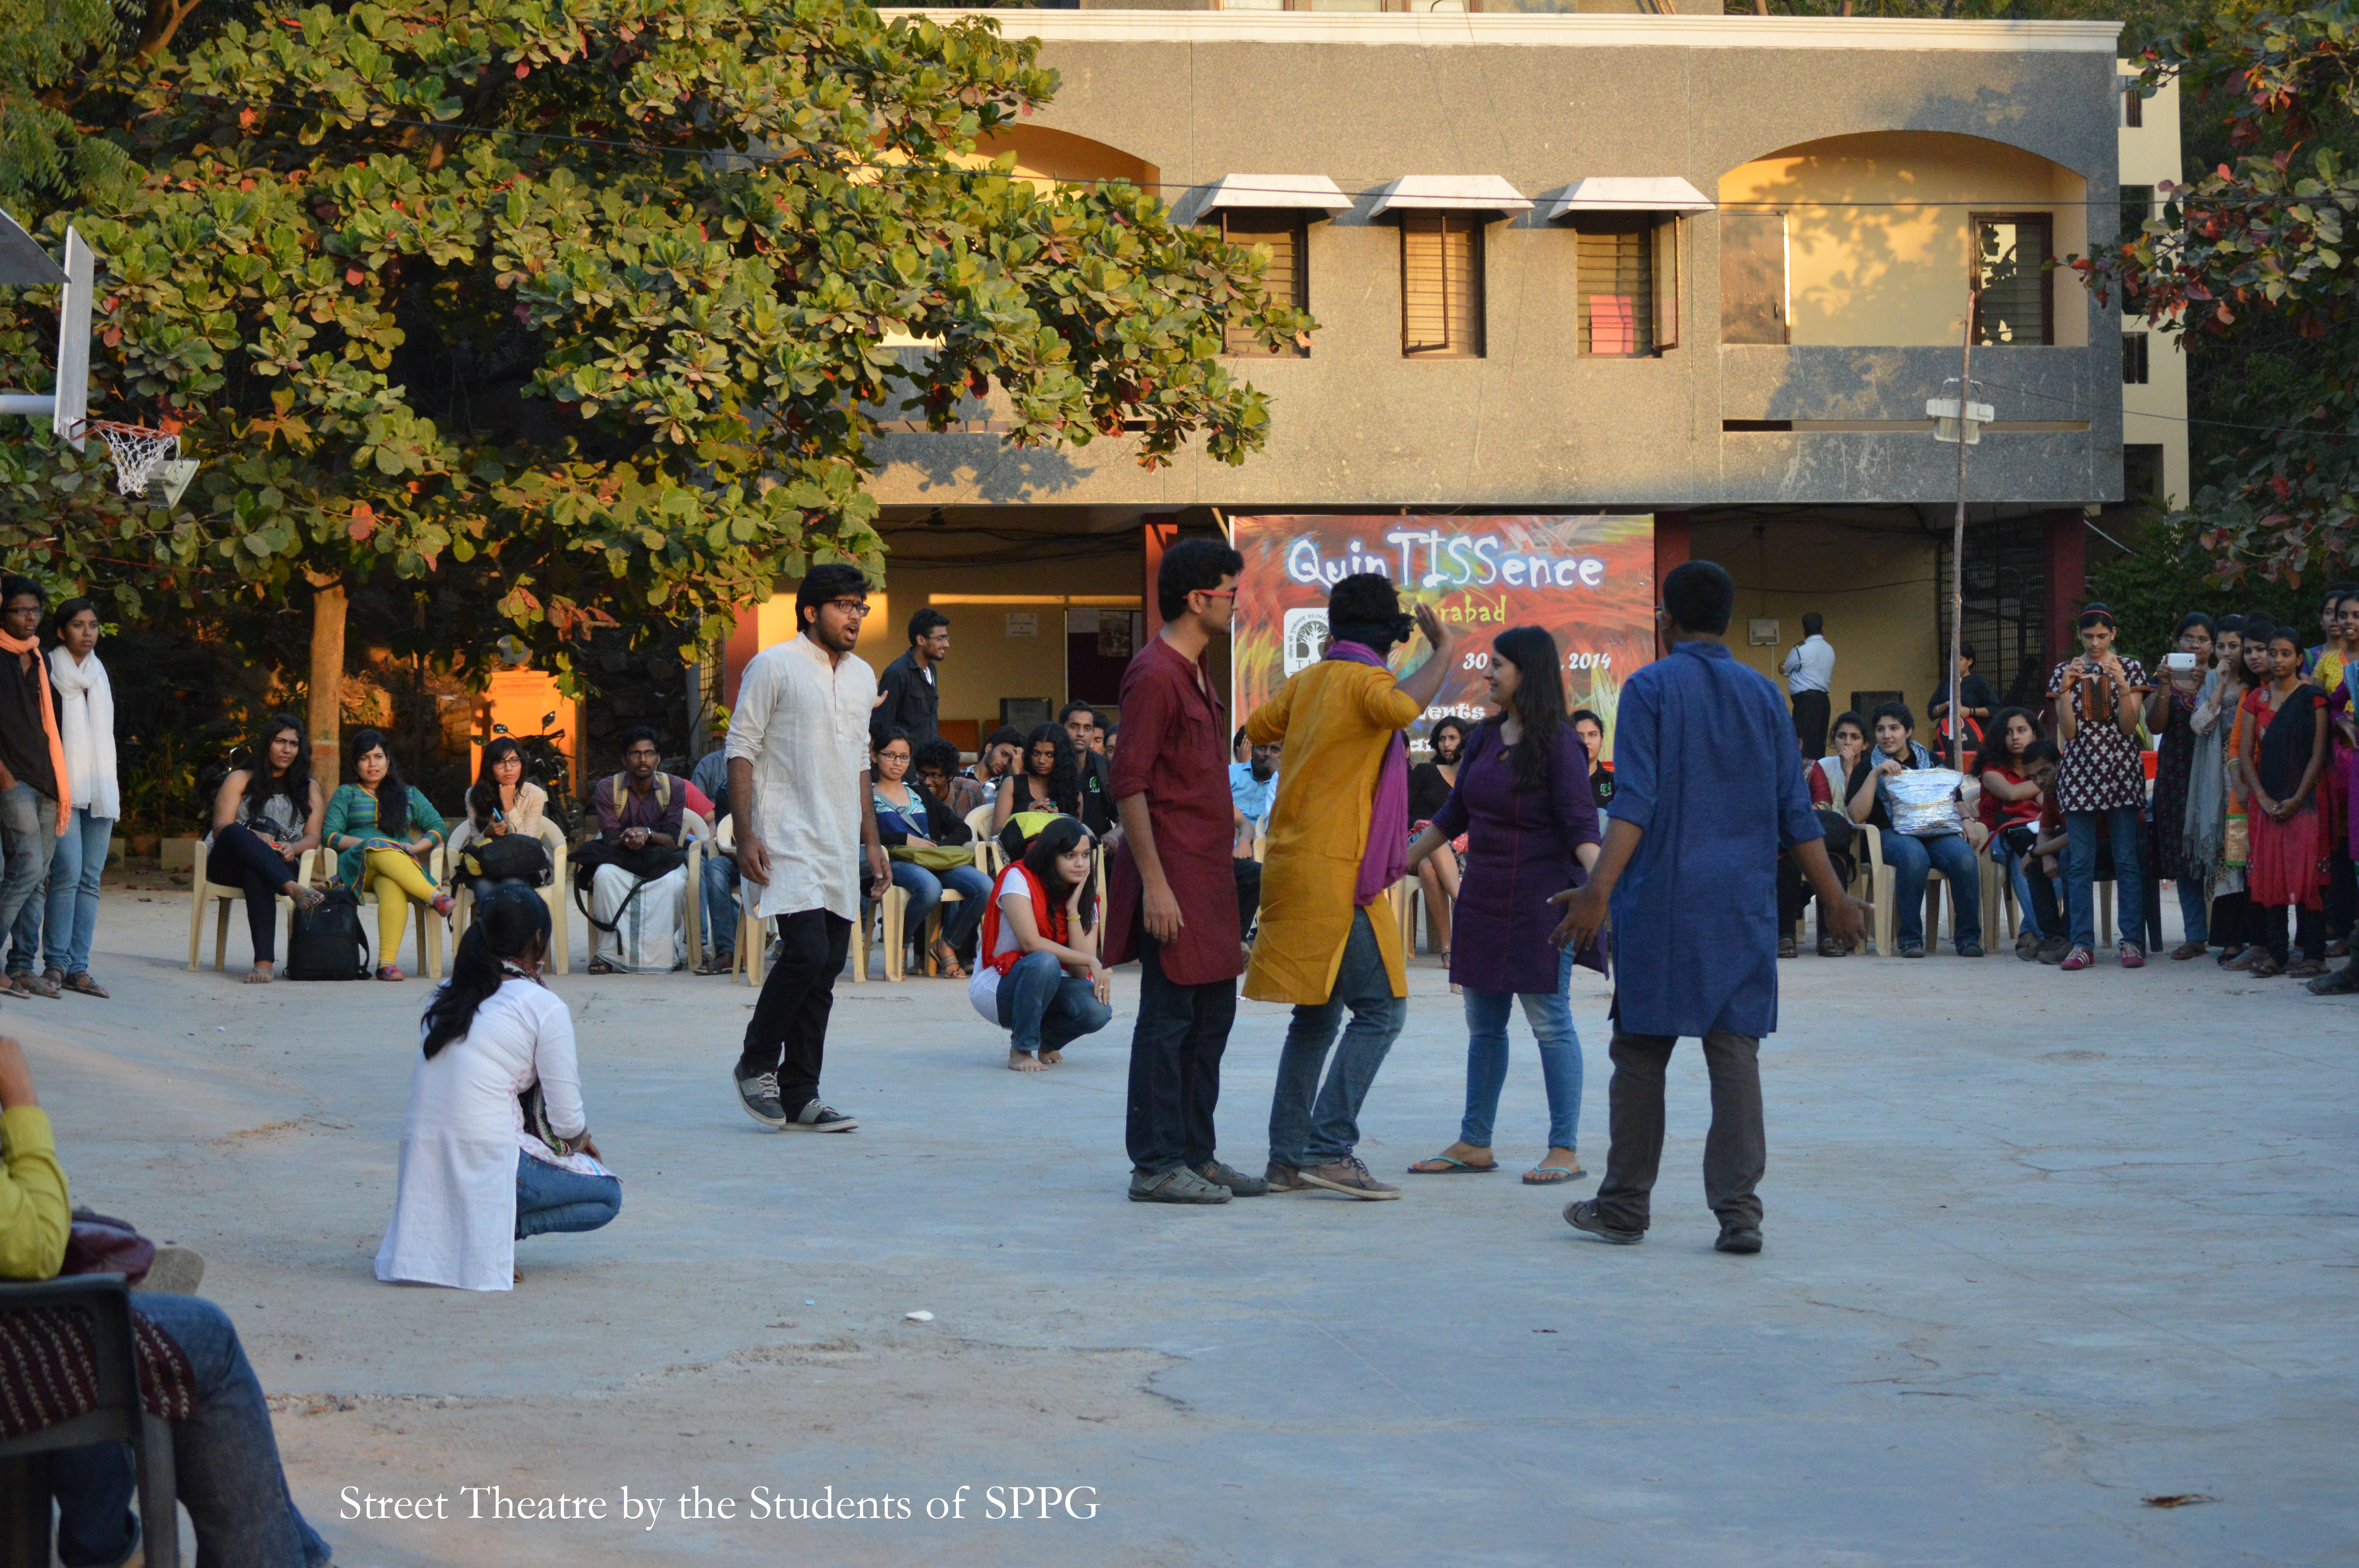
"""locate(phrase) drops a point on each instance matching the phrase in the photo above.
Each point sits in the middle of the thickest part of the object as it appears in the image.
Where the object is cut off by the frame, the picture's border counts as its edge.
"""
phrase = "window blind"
(1442, 286)
(1285, 282)
(1615, 287)
(2011, 249)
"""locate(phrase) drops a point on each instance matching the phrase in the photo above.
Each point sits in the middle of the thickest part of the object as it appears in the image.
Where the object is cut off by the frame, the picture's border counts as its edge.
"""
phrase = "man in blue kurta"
(1708, 790)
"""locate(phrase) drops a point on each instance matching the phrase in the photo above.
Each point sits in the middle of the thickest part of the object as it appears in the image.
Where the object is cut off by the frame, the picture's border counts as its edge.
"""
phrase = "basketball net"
(147, 461)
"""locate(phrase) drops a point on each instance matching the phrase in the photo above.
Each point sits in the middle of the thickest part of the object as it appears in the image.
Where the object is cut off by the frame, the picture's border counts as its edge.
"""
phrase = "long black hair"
(1064, 773)
(295, 783)
(392, 794)
(1538, 702)
(1040, 859)
(1433, 737)
(484, 795)
(506, 921)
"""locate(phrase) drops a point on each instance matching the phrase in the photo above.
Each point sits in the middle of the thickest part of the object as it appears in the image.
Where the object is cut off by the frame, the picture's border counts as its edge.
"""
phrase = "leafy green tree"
(2256, 256)
(580, 310)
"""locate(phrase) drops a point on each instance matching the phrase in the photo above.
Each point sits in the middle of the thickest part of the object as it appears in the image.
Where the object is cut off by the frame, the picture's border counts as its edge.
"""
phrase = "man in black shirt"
(911, 699)
(1978, 700)
(31, 762)
(1087, 731)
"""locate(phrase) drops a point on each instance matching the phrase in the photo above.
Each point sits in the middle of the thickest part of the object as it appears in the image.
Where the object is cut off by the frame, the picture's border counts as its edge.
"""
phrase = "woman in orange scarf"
(34, 799)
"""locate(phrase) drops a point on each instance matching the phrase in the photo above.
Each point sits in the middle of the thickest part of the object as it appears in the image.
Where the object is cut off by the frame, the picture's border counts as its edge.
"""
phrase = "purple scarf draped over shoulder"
(1386, 857)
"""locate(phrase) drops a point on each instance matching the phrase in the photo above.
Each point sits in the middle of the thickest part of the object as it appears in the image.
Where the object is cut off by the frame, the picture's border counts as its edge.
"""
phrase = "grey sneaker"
(1582, 1215)
(820, 1117)
(759, 1095)
(1240, 1185)
(1285, 1179)
(1351, 1178)
(1178, 1184)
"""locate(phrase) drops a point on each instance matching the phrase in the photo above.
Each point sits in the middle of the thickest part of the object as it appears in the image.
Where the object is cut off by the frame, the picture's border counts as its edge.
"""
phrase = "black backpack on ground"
(328, 942)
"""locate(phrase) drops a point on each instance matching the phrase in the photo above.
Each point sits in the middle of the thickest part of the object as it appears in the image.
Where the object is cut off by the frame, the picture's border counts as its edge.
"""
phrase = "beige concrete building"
(1708, 269)
(2154, 366)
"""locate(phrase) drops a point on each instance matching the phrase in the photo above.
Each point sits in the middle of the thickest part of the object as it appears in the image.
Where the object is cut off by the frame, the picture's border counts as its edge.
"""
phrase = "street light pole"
(1958, 529)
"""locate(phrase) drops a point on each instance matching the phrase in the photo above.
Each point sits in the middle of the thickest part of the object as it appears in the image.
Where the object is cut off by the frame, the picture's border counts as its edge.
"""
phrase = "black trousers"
(2230, 911)
(242, 858)
(1248, 875)
(2308, 931)
(1735, 1151)
(1811, 714)
(1174, 1064)
(2342, 895)
(788, 1032)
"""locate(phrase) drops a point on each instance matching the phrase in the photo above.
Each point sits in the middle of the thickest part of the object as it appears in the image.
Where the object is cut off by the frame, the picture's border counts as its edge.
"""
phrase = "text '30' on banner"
(1589, 580)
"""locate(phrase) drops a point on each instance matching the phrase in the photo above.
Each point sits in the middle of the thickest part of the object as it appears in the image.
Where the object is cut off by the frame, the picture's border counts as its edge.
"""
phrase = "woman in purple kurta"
(1531, 826)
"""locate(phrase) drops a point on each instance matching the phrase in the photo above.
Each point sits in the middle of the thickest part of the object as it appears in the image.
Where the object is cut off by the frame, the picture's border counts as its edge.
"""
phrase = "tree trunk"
(329, 606)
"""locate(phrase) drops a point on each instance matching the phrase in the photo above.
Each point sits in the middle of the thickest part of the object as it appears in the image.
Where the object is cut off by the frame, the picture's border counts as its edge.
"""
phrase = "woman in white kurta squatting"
(495, 1147)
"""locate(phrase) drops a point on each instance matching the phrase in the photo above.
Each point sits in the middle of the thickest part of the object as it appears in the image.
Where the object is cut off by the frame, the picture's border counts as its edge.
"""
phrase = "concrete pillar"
(2068, 577)
(1671, 550)
(1160, 530)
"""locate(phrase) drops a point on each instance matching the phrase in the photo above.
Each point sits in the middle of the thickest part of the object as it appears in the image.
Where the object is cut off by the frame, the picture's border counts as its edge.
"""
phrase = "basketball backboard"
(25, 264)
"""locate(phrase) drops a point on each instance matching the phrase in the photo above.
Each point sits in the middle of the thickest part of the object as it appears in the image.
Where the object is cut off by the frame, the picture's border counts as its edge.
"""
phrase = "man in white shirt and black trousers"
(799, 797)
(1810, 670)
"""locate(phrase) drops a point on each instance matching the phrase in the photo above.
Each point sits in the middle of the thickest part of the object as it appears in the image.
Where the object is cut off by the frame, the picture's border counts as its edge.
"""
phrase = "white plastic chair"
(554, 895)
(202, 892)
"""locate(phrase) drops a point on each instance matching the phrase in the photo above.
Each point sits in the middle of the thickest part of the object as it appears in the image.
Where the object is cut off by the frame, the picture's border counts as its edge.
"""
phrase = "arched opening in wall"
(1872, 239)
(1046, 156)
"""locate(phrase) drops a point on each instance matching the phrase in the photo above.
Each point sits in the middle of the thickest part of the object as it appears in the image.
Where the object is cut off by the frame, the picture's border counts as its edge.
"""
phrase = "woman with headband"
(2102, 785)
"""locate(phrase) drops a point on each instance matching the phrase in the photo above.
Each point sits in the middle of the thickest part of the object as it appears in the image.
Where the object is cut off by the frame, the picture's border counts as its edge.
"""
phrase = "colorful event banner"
(1589, 580)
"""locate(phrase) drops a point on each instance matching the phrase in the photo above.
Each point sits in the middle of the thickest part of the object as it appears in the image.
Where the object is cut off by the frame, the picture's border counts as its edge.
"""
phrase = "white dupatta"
(86, 729)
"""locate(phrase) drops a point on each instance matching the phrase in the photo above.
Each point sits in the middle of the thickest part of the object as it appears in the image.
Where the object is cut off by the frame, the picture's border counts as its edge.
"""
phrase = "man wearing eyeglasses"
(799, 797)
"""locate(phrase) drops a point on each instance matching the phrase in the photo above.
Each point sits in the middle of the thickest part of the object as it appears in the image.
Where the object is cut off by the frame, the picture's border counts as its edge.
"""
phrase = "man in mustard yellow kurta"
(1338, 839)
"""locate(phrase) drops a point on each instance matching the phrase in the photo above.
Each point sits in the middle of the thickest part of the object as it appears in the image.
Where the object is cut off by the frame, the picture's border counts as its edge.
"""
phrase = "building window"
(1753, 278)
(2137, 206)
(2134, 359)
(2141, 473)
(1286, 280)
(2133, 104)
(1627, 285)
(1442, 286)
(2014, 296)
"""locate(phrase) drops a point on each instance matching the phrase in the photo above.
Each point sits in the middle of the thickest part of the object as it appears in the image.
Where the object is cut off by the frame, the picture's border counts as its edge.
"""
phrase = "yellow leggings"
(395, 878)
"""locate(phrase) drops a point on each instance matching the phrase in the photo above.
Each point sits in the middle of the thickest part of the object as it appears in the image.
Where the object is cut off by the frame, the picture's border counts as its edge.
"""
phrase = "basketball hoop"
(147, 461)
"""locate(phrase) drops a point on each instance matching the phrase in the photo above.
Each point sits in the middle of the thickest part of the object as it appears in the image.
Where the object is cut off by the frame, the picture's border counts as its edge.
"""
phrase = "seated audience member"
(1086, 731)
(1039, 977)
(264, 818)
(909, 819)
(1828, 776)
(1430, 784)
(937, 765)
(1239, 750)
(226, 1468)
(1048, 780)
(719, 872)
(1590, 731)
(495, 1147)
(999, 757)
(638, 881)
(1913, 857)
(2019, 769)
(381, 828)
(500, 803)
(1253, 789)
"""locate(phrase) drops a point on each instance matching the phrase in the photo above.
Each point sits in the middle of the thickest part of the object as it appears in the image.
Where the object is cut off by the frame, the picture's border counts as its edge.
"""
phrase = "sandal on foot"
(2305, 969)
(307, 898)
(2265, 968)
(1550, 1176)
(947, 966)
(83, 985)
(601, 965)
(2341, 982)
(443, 903)
(1443, 1165)
(2187, 950)
(257, 976)
(390, 972)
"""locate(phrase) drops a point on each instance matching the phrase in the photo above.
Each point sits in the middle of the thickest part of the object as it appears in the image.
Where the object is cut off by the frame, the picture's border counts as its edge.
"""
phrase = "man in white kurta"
(799, 796)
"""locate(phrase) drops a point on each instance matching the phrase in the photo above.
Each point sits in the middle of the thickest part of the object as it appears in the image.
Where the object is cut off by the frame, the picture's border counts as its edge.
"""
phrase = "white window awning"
(1449, 193)
(1314, 192)
(1618, 193)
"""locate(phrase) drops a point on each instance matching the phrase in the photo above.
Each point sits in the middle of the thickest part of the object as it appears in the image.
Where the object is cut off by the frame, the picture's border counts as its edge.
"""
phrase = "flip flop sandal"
(1443, 1165)
(390, 972)
(601, 966)
(2266, 970)
(252, 977)
(2341, 982)
(82, 984)
(1556, 1173)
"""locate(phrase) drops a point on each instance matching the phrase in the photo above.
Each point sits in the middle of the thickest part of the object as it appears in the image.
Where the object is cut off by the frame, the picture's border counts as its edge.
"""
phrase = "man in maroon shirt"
(1172, 904)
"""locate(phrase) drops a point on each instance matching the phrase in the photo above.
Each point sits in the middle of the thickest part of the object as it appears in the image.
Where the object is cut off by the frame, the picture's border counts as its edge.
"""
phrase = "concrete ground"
(2041, 1249)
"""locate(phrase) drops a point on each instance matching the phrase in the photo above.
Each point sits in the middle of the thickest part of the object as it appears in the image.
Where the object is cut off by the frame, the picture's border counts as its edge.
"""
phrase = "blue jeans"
(68, 917)
(551, 1197)
(1043, 1009)
(2034, 896)
(2123, 826)
(1550, 1016)
(93, 1487)
(720, 893)
(29, 837)
(1312, 1123)
(2194, 910)
(225, 1459)
(1912, 861)
(925, 890)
